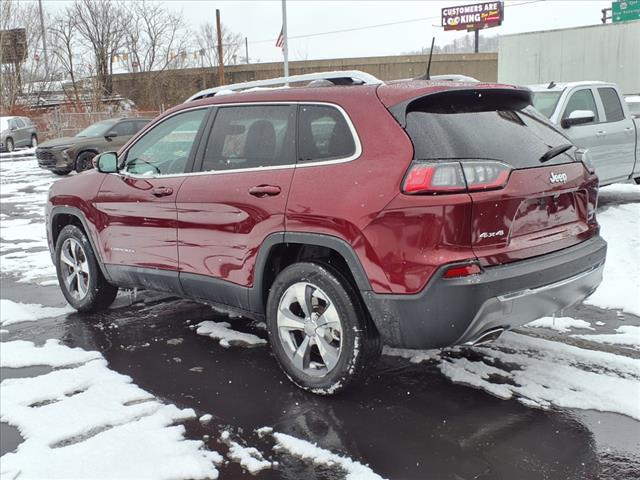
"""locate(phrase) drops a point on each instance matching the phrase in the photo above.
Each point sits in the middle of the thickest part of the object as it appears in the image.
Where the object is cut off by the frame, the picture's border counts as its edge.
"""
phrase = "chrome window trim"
(357, 153)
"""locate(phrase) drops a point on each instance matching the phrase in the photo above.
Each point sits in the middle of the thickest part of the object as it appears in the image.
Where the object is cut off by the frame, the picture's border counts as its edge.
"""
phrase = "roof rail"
(338, 77)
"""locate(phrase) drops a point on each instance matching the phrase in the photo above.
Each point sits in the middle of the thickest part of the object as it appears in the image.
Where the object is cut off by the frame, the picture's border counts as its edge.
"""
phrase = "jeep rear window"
(517, 137)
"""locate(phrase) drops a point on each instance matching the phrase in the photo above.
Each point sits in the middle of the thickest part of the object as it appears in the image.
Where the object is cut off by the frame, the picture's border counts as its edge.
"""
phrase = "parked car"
(17, 132)
(594, 115)
(413, 214)
(63, 155)
(633, 104)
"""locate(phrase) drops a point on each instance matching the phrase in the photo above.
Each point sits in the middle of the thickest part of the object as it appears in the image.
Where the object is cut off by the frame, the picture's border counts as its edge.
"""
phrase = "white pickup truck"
(593, 115)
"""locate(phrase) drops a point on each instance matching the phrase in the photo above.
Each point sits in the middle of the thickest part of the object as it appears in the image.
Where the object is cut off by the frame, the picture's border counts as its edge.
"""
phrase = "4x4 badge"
(558, 177)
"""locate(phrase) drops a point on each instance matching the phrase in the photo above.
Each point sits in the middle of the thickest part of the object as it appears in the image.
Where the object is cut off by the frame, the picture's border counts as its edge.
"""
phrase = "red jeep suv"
(346, 213)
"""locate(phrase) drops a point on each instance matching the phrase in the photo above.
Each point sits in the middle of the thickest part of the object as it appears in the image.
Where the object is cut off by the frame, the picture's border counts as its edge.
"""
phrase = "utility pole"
(476, 34)
(44, 40)
(220, 53)
(285, 50)
(246, 50)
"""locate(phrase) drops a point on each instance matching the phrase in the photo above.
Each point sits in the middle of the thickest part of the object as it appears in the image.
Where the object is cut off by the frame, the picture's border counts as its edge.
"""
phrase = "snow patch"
(91, 422)
(626, 335)
(228, 337)
(13, 312)
(560, 324)
(319, 456)
(249, 458)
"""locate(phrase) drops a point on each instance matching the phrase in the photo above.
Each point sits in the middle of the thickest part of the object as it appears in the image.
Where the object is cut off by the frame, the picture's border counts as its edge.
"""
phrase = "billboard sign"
(625, 10)
(473, 17)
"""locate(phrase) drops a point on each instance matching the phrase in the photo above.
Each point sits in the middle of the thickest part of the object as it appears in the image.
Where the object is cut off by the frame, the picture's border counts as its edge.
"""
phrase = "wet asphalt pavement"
(406, 422)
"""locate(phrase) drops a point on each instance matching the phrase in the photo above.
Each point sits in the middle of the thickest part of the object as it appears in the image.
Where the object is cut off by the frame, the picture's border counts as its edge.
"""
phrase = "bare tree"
(207, 39)
(23, 78)
(155, 38)
(64, 46)
(102, 25)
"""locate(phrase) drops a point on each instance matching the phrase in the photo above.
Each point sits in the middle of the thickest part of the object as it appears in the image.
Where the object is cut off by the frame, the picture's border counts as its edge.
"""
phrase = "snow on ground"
(228, 337)
(626, 335)
(620, 227)
(560, 324)
(91, 422)
(544, 374)
(319, 456)
(12, 312)
(23, 242)
(24, 152)
(249, 458)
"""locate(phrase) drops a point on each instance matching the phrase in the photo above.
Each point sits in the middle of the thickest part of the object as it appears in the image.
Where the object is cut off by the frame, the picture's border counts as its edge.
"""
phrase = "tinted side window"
(611, 102)
(19, 123)
(123, 128)
(323, 134)
(582, 100)
(140, 124)
(250, 137)
(165, 149)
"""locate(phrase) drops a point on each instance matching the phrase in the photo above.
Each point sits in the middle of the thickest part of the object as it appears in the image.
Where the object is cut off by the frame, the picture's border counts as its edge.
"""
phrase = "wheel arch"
(280, 250)
(62, 216)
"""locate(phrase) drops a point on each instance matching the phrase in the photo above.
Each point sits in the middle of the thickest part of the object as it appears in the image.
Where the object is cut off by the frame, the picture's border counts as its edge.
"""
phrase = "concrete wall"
(603, 52)
(153, 89)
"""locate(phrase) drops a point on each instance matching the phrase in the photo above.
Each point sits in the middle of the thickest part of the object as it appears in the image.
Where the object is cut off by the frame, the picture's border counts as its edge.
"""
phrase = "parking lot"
(558, 399)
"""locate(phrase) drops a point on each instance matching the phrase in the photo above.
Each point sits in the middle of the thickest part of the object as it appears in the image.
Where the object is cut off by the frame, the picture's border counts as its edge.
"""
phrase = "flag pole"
(285, 49)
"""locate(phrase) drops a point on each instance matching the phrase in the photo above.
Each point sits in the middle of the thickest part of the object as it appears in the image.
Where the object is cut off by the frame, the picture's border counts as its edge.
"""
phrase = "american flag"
(280, 40)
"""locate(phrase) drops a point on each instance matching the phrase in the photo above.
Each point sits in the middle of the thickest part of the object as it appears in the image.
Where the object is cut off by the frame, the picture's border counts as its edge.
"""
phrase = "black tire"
(61, 172)
(34, 141)
(637, 180)
(359, 343)
(9, 146)
(99, 293)
(84, 161)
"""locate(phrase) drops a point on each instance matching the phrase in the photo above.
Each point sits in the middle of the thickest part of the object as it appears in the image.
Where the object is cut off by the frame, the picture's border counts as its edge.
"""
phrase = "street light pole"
(44, 39)
(220, 53)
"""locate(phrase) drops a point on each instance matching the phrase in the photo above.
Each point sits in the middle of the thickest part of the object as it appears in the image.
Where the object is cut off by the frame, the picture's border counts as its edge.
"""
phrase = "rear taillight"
(462, 270)
(455, 177)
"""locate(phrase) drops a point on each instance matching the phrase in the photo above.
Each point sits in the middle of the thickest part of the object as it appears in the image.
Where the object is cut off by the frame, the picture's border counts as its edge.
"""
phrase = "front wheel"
(84, 161)
(637, 180)
(79, 275)
(34, 141)
(9, 145)
(318, 328)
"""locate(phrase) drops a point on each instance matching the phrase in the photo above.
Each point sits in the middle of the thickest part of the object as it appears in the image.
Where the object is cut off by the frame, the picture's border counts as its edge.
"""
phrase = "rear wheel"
(34, 141)
(9, 144)
(318, 328)
(84, 161)
(61, 172)
(79, 275)
(637, 180)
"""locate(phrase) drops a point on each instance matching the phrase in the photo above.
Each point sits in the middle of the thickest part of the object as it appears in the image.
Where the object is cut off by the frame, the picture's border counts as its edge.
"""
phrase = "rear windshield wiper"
(554, 152)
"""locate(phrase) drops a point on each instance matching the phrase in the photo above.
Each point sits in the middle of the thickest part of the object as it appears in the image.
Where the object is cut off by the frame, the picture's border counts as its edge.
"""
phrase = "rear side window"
(516, 137)
(140, 124)
(323, 134)
(611, 102)
(582, 100)
(250, 137)
(124, 129)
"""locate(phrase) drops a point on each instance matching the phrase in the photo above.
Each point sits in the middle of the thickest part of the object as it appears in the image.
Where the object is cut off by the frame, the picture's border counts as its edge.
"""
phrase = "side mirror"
(111, 134)
(107, 162)
(578, 117)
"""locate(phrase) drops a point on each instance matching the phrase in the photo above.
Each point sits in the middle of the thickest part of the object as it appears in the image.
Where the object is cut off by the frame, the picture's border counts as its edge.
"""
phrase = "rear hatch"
(531, 193)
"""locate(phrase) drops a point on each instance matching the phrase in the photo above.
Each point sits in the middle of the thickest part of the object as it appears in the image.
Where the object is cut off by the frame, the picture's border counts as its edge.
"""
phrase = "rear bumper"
(456, 311)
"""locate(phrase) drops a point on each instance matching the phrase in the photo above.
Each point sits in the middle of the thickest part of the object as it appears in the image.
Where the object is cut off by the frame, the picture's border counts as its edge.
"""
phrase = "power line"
(379, 25)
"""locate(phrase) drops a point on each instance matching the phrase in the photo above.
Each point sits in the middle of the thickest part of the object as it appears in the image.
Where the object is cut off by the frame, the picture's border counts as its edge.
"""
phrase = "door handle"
(265, 190)
(162, 191)
(628, 129)
(600, 133)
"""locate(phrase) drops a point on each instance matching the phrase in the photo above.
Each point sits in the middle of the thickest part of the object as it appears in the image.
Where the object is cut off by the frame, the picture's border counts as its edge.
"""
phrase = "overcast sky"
(413, 23)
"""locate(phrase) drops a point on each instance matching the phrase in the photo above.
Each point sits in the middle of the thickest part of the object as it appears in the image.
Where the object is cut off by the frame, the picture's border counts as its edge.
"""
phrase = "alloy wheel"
(74, 268)
(310, 329)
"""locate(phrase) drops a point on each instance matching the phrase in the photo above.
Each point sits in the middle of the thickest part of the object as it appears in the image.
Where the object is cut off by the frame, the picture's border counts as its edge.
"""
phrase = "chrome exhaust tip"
(486, 337)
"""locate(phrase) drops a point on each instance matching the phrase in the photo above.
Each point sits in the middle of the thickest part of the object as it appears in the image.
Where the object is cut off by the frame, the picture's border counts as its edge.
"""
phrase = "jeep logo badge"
(558, 177)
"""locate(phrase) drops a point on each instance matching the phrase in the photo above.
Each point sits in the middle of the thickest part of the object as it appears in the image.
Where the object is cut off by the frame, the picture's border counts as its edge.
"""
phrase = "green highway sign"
(625, 10)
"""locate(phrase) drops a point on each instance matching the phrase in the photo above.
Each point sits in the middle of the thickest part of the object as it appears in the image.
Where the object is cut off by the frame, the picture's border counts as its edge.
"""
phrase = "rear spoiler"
(464, 100)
